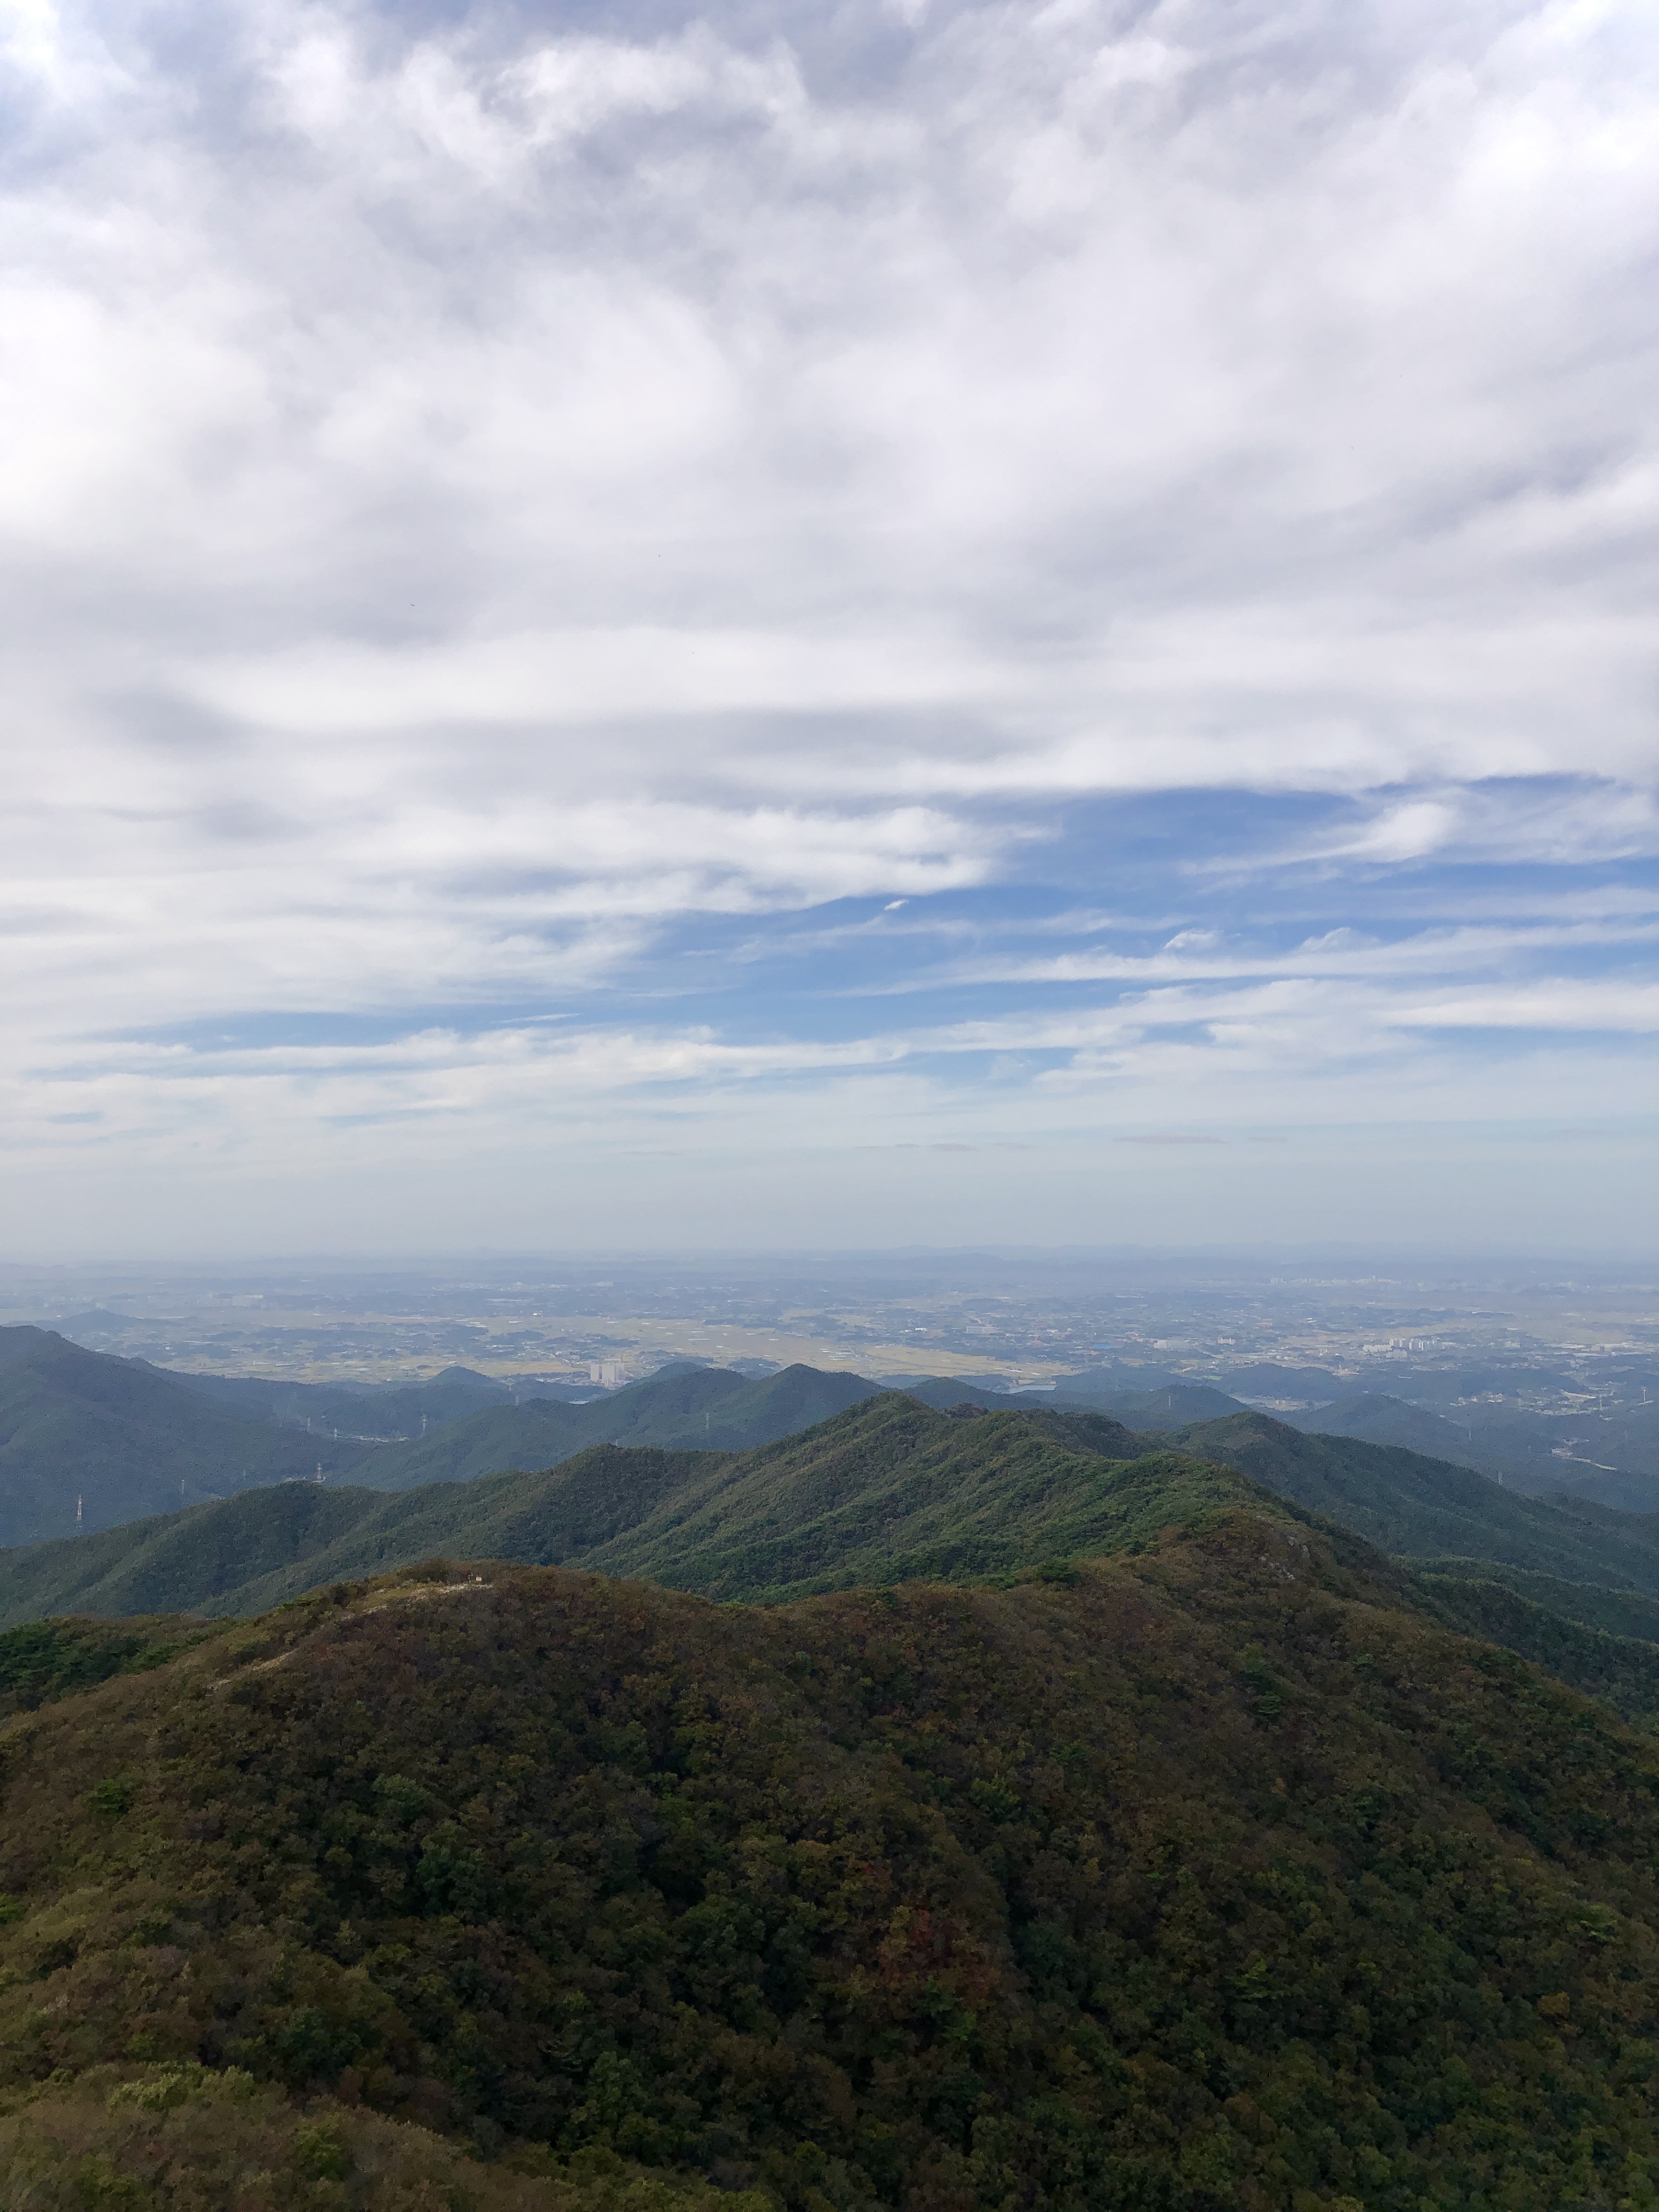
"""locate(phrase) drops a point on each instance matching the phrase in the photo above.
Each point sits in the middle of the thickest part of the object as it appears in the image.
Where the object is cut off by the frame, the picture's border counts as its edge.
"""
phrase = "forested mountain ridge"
(1207, 1880)
(886, 1489)
(892, 1490)
(370, 1413)
(1516, 1448)
(132, 1440)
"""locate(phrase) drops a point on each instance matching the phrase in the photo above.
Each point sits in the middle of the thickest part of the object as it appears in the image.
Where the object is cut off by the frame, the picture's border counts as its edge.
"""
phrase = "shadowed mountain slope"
(1414, 1507)
(1608, 1459)
(1619, 1612)
(125, 1438)
(1211, 1881)
(1622, 1671)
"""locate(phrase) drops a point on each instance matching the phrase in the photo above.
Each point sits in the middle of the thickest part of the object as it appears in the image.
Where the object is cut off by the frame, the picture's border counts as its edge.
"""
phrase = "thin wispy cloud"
(636, 554)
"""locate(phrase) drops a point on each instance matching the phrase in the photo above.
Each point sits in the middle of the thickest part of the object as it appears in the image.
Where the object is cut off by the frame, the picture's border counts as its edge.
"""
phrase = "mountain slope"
(125, 1438)
(253, 1550)
(1620, 1613)
(893, 1490)
(186, 1562)
(1410, 1505)
(1609, 1465)
(1374, 1418)
(1211, 1881)
(1621, 1671)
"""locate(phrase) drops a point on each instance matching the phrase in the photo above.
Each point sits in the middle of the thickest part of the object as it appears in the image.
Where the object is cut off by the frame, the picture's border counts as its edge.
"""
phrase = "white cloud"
(474, 490)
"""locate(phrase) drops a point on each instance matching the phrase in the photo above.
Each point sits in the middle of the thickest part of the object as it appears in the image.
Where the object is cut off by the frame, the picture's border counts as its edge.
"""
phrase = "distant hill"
(132, 1440)
(125, 1438)
(1175, 1403)
(708, 1408)
(1378, 1420)
(1266, 1378)
(1517, 1449)
(1118, 1379)
(96, 1320)
(405, 1409)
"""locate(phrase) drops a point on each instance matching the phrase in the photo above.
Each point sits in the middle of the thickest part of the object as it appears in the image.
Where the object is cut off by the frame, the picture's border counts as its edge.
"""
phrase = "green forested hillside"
(1595, 1605)
(125, 1438)
(1622, 1671)
(1209, 1881)
(893, 1490)
(182, 1562)
(1411, 1505)
(132, 1441)
(255, 1552)
(50, 1659)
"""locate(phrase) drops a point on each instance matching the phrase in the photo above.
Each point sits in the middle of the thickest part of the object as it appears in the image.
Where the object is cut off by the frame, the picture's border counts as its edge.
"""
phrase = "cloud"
(488, 499)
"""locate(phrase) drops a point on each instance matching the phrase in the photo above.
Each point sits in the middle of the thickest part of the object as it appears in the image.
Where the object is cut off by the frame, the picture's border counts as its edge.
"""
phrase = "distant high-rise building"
(611, 1373)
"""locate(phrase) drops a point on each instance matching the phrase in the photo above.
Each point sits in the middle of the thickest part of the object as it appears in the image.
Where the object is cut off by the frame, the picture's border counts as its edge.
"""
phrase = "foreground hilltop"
(1217, 1875)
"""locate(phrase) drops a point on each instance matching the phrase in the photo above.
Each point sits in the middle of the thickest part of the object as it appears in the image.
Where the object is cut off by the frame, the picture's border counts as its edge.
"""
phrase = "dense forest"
(1216, 1874)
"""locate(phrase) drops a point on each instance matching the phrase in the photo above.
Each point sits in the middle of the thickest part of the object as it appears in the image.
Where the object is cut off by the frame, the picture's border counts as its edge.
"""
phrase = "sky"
(807, 625)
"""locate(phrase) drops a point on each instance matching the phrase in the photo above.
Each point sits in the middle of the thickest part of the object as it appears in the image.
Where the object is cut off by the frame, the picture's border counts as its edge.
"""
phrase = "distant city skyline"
(916, 624)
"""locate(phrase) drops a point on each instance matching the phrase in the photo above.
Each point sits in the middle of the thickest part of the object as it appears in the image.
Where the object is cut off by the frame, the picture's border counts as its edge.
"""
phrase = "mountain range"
(892, 1490)
(1217, 1871)
(122, 1440)
(89, 1441)
(801, 1796)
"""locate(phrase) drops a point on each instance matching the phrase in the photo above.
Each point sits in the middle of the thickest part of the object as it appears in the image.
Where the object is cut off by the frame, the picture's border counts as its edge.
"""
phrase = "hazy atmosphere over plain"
(865, 624)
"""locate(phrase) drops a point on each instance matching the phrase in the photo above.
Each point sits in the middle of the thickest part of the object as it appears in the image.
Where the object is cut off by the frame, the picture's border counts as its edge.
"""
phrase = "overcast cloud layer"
(911, 621)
